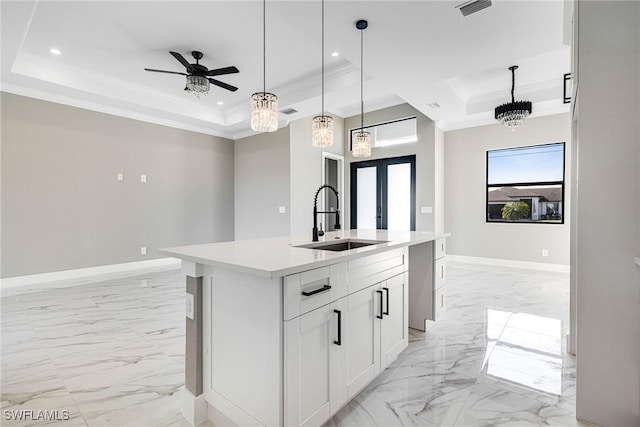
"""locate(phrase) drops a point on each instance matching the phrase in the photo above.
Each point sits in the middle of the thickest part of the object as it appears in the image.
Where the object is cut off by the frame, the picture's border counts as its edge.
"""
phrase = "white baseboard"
(56, 276)
(541, 266)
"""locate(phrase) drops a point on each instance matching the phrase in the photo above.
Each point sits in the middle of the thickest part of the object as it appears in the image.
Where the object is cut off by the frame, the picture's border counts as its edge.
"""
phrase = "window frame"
(352, 130)
(527, 184)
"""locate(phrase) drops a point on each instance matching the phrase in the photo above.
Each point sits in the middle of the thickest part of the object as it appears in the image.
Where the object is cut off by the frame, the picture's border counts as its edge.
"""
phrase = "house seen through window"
(526, 184)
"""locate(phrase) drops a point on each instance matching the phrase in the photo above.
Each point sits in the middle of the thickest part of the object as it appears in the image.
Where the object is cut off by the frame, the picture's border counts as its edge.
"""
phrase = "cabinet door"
(311, 366)
(394, 332)
(361, 338)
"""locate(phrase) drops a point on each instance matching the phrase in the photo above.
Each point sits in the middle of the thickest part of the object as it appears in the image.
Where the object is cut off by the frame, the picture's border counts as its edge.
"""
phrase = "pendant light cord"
(513, 83)
(361, 80)
(323, 58)
(264, 46)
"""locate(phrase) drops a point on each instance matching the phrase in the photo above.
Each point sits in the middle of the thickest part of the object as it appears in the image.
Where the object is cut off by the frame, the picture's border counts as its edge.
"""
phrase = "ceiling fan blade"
(221, 71)
(181, 59)
(223, 85)
(163, 71)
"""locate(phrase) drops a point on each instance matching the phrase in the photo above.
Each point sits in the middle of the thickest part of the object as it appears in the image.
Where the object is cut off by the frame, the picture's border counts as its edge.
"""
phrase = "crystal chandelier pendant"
(361, 144)
(264, 112)
(512, 114)
(197, 85)
(322, 131)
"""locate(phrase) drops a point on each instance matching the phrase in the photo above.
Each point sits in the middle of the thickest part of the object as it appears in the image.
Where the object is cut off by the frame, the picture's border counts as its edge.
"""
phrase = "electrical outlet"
(120, 176)
(190, 306)
(143, 283)
(143, 178)
(143, 250)
(282, 209)
(545, 252)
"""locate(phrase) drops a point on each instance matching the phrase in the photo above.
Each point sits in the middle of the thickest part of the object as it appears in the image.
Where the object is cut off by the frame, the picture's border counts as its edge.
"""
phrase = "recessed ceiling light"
(334, 54)
(55, 51)
(220, 103)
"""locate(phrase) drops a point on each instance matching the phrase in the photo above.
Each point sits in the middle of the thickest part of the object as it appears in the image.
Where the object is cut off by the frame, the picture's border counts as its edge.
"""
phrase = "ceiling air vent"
(289, 111)
(433, 105)
(473, 6)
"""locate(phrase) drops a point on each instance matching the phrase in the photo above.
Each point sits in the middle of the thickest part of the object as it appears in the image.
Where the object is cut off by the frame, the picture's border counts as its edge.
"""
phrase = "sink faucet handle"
(320, 231)
(337, 226)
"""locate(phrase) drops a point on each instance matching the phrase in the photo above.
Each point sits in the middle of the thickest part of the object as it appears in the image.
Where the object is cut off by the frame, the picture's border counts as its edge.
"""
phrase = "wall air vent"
(289, 111)
(473, 6)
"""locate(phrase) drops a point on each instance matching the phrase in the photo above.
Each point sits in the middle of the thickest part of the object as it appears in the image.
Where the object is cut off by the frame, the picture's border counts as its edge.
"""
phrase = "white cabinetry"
(334, 351)
(439, 271)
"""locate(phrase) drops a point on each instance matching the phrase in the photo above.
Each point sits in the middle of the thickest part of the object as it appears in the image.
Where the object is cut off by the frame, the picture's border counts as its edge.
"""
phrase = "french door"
(383, 194)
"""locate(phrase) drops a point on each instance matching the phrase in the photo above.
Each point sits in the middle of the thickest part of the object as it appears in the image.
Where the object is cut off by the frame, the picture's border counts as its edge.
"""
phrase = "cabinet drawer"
(310, 289)
(367, 271)
(439, 248)
(439, 273)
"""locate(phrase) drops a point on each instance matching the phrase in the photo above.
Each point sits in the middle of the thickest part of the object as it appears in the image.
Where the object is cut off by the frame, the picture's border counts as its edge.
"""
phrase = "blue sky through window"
(540, 163)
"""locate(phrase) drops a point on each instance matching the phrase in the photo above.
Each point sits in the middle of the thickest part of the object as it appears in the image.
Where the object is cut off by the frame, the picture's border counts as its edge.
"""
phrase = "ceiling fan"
(199, 76)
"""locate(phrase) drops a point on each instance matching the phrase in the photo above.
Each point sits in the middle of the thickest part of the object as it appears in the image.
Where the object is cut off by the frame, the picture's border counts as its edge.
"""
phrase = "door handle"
(387, 312)
(379, 316)
(339, 341)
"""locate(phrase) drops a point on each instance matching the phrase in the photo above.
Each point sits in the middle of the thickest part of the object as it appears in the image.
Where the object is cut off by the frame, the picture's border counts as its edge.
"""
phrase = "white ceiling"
(415, 51)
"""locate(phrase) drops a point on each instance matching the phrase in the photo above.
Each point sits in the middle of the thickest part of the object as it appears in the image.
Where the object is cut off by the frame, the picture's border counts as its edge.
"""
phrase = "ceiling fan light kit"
(512, 114)
(264, 105)
(198, 76)
(361, 141)
(322, 125)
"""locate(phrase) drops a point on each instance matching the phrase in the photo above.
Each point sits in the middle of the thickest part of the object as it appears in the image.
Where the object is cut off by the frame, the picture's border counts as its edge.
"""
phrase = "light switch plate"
(119, 176)
(190, 309)
(143, 250)
(143, 178)
(545, 252)
(426, 209)
(282, 209)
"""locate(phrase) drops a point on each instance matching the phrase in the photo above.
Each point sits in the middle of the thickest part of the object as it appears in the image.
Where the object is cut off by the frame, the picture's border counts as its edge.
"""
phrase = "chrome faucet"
(317, 233)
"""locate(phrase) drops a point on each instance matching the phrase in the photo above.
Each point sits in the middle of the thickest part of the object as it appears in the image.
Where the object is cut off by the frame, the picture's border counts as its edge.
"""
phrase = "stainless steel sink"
(341, 245)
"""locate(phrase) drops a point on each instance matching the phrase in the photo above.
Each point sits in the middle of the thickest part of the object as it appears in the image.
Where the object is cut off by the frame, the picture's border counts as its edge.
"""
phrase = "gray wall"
(465, 188)
(262, 185)
(306, 171)
(608, 282)
(63, 208)
(424, 149)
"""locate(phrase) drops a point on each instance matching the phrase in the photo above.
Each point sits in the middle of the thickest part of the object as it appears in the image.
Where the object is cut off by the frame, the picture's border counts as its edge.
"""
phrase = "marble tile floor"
(111, 353)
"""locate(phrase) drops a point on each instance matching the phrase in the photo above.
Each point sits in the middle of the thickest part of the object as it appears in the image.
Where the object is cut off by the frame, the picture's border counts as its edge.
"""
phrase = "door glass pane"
(367, 194)
(399, 197)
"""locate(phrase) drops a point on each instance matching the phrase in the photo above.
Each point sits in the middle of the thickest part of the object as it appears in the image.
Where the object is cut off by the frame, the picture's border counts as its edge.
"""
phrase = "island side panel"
(420, 285)
(193, 339)
(243, 346)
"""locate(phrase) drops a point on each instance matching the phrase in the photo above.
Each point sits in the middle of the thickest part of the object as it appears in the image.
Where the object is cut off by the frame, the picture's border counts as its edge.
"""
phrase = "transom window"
(401, 131)
(526, 184)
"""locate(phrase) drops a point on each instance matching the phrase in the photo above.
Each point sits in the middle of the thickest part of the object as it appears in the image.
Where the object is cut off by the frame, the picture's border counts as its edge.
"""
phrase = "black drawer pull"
(379, 316)
(387, 312)
(317, 291)
(339, 341)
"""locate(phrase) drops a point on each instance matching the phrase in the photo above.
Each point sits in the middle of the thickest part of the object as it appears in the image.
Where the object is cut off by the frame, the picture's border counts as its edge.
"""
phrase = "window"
(392, 133)
(526, 184)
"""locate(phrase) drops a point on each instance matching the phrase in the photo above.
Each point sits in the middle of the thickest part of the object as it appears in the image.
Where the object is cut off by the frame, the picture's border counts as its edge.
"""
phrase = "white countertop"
(278, 256)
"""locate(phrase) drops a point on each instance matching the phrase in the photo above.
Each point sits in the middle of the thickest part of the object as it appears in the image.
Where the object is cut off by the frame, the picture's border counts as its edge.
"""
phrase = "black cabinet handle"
(339, 341)
(379, 316)
(316, 291)
(387, 312)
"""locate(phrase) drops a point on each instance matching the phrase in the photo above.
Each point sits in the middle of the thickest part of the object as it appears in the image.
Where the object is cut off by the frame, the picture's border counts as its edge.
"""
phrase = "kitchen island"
(284, 331)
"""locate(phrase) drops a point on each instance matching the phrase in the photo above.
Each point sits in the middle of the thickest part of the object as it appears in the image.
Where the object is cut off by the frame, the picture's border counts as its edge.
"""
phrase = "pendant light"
(361, 142)
(322, 125)
(264, 105)
(512, 114)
